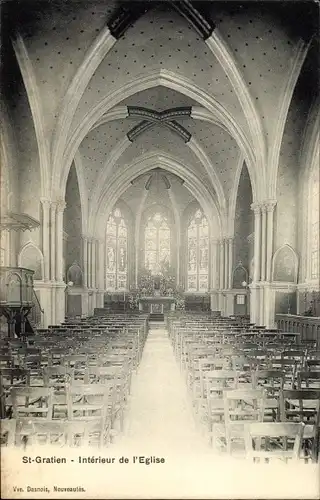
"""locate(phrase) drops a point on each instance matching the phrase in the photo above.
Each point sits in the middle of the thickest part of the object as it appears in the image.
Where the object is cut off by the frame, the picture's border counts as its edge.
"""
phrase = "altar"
(157, 304)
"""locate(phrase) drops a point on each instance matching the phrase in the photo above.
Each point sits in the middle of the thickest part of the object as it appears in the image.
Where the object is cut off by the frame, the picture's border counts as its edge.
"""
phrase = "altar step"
(156, 317)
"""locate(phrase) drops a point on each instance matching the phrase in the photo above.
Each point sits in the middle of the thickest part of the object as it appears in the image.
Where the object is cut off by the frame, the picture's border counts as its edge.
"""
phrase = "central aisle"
(160, 414)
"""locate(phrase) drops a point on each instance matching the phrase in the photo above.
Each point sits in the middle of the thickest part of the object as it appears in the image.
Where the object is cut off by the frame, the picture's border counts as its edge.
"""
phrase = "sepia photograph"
(159, 249)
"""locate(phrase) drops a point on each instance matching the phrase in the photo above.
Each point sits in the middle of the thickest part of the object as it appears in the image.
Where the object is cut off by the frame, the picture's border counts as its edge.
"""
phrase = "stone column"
(257, 240)
(89, 266)
(221, 265)
(214, 278)
(100, 273)
(101, 265)
(93, 266)
(213, 266)
(226, 263)
(85, 261)
(53, 240)
(263, 241)
(270, 210)
(61, 205)
(45, 238)
(230, 262)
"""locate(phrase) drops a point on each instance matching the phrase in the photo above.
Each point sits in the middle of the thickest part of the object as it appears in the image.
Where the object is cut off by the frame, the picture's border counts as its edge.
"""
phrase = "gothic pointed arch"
(31, 257)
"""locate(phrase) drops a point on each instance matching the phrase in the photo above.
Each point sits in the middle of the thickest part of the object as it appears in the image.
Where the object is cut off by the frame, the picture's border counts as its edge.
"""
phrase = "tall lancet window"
(157, 243)
(314, 225)
(198, 253)
(116, 251)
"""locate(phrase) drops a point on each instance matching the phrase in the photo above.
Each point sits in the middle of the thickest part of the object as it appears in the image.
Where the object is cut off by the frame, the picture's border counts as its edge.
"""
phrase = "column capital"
(256, 207)
(45, 202)
(61, 205)
(263, 208)
(270, 204)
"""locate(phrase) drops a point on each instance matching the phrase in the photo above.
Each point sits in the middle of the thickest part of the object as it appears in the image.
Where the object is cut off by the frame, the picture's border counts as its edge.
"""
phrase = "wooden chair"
(15, 376)
(274, 440)
(48, 432)
(308, 380)
(312, 364)
(8, 431)
(209, 404)
(89, 403)
(240, 407)
(288, 366)
(34, 401)
(58, 377)
(273, 382)
(6, 361)
(302, 405)
(30, 404)
(116, 380)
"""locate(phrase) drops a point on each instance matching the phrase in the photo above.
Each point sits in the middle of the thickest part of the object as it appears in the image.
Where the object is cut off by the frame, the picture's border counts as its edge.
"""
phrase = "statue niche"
(285, 265)
(239, 275)
(74, 274)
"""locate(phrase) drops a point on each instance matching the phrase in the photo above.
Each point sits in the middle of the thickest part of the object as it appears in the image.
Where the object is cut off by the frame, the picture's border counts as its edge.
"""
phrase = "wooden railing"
(308, 326)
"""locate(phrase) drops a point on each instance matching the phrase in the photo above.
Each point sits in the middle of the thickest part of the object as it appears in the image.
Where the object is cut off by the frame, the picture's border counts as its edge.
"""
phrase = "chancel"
(160, 224)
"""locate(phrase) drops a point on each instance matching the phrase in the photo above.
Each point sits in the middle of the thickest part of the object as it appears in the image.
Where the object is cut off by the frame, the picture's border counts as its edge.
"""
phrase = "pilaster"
(61, 205)
(45, 238)
(53, 215)
(263, 241)
(93, 263)
(85, 260)
(89, 266)
(270, 206)
(226, 263)
(221, 265)
(230, 262)
(214, 279)
(101, 267)
(256, 207)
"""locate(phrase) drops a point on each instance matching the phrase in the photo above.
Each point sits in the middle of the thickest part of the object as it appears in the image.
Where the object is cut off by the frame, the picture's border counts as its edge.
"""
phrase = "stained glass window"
(198, 253)
(157, 243)
(116, 252)
(314, 227)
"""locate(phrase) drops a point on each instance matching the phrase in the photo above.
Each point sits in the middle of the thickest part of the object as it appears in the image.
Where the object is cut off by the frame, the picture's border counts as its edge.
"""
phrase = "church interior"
(160, 226)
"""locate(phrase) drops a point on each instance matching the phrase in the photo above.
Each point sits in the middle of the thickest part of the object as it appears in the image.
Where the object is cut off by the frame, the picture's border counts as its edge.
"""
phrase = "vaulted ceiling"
(199, 83)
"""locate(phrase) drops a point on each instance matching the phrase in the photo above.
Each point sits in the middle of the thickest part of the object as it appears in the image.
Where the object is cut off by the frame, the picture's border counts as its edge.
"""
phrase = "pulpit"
(157, 304)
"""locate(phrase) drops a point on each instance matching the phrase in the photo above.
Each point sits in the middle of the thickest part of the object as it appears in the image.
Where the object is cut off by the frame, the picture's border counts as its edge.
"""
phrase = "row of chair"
(237, 383)
(70, 387)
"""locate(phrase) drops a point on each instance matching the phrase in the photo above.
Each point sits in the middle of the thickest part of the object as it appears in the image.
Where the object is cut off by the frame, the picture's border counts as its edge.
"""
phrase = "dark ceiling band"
(203, 27)
(163, 118)
(129, 12)
(125, 16)
(153, 115)
(139, 129)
